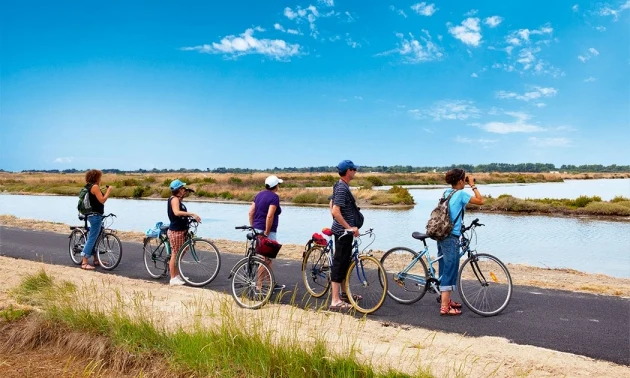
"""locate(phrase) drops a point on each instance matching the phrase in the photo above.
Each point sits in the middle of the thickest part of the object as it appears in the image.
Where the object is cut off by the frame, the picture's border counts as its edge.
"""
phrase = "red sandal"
(455, 304)
(449, 311)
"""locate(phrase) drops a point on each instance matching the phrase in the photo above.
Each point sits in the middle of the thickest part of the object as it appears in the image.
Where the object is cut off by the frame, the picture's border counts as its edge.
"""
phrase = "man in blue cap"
(343, 228)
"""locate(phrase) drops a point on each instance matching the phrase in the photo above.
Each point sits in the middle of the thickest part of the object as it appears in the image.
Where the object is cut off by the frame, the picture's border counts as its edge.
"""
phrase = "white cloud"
(520, 125)
(588, 55)
(522, 50)
(63, 160)
(474, 74)
(416, 50)
(328, 3)
(468, 32)
(448, 110)
(282, 29)
(535, 94)
(358, 98)
(350, 42)
(246, 43)
(606, 10)
(482, 141)
(309, 14)
(575, 8)
(590, 79)
(399, 11)
(493, 21)
(600, 28)
(424, 9)
(549, 142)
(471, 13)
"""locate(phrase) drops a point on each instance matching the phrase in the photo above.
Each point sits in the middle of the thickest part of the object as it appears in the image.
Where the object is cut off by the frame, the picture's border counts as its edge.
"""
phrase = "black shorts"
(342, 258)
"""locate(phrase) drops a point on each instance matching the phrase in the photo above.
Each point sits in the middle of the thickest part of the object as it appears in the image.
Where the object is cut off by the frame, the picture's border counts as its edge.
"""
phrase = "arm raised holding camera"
(477, 199)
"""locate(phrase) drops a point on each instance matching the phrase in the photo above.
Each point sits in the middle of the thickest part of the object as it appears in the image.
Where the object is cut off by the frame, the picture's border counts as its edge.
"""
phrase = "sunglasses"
(352, 169)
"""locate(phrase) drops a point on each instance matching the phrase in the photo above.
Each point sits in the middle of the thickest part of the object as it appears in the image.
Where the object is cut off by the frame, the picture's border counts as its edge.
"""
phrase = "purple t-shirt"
(263, 200)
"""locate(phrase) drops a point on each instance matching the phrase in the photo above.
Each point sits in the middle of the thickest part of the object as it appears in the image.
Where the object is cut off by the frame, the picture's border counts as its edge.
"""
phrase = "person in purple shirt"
(264, 213)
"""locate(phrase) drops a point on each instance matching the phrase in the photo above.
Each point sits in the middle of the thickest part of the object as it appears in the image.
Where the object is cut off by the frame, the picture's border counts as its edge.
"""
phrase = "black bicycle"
(252, 278)
(107, 249)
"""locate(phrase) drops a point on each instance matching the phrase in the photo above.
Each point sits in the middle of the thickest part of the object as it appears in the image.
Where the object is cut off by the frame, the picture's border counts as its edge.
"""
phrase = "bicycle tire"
(370, 275)
(408, 287)
(484, 284)
(109, 251)
(76, 244)
(199, 262)
(156, 257)
(246, 275)
(316, 271)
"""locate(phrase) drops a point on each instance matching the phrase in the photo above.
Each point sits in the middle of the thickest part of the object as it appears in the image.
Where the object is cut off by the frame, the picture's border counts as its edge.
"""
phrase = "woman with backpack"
(95, 217)
(449, 247)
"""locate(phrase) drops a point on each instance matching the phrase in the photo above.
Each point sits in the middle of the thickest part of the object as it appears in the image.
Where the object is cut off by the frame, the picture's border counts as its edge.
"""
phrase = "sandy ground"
(564, 279)
(405, 348)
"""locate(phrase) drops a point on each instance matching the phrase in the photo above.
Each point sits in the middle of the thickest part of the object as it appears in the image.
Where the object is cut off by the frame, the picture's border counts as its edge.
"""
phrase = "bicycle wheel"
(252, 282)
(485, 285)
(109, 251)
(366, 284)
(199, 262)
(316, 271)
(156, 257)
(405, 284)
(77, 242)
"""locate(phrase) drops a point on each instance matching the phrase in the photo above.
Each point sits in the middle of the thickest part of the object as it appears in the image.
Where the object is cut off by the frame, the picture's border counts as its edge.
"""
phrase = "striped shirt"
(342, 197)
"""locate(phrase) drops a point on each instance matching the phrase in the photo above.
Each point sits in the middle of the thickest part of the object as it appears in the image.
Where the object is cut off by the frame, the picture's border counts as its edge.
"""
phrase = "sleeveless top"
(177, 223)
(97, 206)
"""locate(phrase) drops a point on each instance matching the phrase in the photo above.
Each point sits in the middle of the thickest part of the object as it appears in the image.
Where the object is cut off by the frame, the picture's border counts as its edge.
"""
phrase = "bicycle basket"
(267, 247)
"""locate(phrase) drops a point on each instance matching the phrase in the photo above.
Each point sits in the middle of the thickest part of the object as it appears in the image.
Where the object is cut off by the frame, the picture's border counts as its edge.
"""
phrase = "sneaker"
(176, 281)
(279, 287)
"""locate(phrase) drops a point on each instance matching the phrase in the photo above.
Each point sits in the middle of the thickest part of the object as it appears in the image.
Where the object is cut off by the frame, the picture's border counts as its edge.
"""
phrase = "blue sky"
(259, 84)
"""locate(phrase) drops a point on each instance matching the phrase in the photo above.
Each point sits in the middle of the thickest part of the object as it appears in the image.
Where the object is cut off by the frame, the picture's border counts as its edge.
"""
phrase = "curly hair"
(92, 176)
(454, 175)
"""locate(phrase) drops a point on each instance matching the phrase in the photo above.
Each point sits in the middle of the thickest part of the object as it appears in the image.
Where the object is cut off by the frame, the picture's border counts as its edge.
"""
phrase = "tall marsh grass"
(129, 333)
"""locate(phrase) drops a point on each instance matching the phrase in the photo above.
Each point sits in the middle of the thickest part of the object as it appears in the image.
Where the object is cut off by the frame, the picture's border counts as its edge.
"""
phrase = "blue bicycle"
(366, 282)
(484, 282)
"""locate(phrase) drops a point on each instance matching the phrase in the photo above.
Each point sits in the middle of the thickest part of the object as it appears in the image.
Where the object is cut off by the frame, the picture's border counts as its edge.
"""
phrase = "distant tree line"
(492, 167)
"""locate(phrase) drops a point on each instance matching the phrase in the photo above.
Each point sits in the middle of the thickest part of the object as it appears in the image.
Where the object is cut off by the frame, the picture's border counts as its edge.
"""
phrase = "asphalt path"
(589, 325)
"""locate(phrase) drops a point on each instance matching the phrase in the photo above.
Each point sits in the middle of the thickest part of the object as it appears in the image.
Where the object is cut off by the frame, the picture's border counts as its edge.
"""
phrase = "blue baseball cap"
(345, 165)
(176, 184)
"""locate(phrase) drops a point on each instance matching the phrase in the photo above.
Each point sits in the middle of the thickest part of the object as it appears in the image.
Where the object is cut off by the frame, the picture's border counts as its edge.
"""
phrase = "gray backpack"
(440, 224)
(84, 206)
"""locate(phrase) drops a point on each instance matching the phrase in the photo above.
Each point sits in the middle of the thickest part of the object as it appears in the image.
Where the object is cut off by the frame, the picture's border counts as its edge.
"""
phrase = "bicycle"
(198, 259)
(107, 249)
(484, 282)
(317, 263)
(252, 280)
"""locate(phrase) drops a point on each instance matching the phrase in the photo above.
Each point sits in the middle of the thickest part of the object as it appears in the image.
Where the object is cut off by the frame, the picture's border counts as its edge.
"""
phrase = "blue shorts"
(449, 263)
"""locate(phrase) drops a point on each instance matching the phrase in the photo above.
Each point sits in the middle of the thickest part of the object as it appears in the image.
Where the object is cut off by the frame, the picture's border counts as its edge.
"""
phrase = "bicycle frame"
(433, 282)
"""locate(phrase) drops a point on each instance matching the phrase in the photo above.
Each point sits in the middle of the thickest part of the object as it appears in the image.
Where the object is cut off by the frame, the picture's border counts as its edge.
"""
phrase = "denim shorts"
(449, 263)
(272, 235)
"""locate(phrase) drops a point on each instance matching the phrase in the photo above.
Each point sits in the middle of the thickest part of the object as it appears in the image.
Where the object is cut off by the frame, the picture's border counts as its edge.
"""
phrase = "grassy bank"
(298, 188)
(301, 189)
(123, 337)
(581, 206)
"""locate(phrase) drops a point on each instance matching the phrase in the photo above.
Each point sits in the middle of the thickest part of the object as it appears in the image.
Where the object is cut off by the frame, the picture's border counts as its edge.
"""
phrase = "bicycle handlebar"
(248, 228)
(474, 223)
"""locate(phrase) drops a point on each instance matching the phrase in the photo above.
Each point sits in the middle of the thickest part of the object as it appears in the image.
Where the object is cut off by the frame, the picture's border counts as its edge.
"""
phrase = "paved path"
(584, 324)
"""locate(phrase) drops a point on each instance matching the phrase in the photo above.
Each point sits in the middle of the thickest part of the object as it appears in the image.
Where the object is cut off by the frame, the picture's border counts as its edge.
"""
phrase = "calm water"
(585, 245)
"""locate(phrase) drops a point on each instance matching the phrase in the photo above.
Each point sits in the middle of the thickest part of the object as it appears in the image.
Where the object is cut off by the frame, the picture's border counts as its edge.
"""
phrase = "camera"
(467, 179)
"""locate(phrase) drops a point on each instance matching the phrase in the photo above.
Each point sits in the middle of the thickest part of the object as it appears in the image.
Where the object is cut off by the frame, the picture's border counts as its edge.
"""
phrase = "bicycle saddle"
(326, 231)
(81, 217)
(420, 236)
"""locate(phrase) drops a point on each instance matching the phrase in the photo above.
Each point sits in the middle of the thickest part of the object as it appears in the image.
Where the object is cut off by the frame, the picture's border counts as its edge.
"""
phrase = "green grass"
(11, 314)
(583, 205)
(237, 347)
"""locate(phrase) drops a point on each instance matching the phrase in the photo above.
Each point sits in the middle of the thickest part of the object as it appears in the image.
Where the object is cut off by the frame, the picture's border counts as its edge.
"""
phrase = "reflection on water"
(585, 245)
